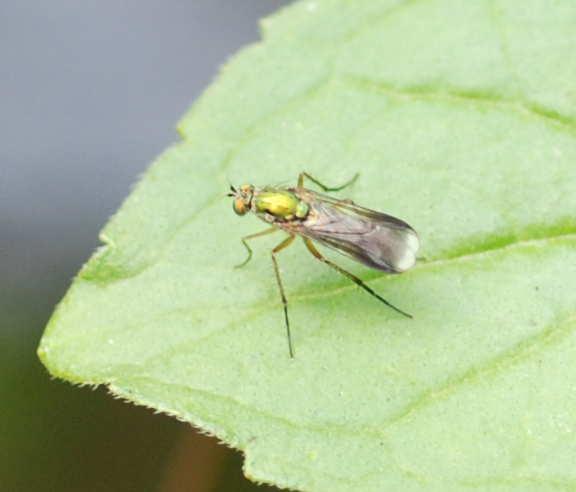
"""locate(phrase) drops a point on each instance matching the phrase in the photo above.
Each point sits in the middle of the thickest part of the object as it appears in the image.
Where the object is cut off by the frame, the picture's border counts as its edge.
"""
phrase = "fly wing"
(378, 240)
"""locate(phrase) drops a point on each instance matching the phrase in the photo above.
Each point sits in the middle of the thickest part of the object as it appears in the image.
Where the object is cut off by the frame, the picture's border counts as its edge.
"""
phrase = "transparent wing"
(378, 240)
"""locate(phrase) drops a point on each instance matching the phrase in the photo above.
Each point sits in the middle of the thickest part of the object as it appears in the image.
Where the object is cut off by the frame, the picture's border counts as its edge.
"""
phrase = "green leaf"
(461, 119)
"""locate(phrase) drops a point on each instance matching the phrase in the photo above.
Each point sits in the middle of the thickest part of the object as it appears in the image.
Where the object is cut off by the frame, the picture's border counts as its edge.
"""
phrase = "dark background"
(90, 92)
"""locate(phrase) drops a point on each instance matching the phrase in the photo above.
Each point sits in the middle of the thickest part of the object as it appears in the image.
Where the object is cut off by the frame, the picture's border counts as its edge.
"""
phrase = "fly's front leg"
(245, 240)
(284, 244)
(303, 175)
(352, 277)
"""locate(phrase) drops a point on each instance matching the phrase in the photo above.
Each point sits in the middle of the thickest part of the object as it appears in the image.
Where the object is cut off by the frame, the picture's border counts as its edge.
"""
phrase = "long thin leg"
(303, 175)
(284, 244)
(248, 248)
(352, 277)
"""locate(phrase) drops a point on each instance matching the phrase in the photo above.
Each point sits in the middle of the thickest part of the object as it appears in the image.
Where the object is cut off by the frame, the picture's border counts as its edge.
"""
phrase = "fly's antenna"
(233, 191)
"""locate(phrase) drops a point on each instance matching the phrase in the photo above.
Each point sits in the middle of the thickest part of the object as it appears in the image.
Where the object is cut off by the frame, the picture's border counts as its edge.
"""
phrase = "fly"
(375, 239)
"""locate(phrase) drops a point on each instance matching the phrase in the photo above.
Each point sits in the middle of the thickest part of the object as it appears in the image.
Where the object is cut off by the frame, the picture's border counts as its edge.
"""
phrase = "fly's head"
(243, 196)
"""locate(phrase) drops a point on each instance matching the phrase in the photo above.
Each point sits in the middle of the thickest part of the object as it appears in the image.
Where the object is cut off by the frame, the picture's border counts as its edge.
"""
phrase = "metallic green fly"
(378, 240)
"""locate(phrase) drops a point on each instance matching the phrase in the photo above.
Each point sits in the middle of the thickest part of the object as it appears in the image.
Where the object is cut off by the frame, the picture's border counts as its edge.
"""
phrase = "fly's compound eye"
(239, 206)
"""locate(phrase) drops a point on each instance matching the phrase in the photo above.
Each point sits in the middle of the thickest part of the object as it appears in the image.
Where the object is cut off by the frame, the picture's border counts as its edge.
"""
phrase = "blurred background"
(90, 92)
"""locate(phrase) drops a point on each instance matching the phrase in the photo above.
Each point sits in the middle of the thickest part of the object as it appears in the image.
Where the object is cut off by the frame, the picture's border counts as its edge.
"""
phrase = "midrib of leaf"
(440, 262)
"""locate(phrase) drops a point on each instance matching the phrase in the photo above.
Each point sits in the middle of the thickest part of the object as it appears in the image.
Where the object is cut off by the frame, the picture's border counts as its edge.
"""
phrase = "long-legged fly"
(378, 240)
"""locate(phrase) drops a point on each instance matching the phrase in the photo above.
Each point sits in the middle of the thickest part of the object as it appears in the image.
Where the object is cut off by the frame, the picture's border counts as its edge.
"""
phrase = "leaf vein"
(492, 367)
(516, 105)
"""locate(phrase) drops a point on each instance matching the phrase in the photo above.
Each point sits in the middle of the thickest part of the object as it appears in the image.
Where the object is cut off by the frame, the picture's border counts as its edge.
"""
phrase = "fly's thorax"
(280, 204)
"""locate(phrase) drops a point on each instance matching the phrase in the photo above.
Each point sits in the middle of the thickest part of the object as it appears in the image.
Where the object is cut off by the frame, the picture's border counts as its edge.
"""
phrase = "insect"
(375, 239)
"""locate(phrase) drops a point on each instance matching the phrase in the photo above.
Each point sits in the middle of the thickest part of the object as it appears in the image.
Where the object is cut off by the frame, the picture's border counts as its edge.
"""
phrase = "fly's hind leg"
(245, 240)
(352, 277)
(284, 244)
(303, 175)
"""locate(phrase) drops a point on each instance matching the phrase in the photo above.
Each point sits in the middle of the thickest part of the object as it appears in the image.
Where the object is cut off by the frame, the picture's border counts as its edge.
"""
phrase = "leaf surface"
(460, 118)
